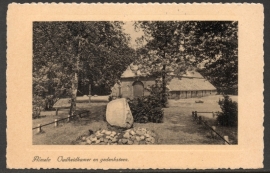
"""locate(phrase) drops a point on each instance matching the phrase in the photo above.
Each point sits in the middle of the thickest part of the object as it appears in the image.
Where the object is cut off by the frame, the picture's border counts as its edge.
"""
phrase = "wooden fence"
(55, 122)
(200, 120)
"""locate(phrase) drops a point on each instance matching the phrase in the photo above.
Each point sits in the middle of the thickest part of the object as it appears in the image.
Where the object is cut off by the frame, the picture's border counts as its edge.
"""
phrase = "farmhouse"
(190, 85)
(134, 84)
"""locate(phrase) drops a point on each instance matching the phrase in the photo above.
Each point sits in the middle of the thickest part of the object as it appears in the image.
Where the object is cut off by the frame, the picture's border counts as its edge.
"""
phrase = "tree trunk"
(164, 97)
(74, 94)
(89, 94)
(75, 83)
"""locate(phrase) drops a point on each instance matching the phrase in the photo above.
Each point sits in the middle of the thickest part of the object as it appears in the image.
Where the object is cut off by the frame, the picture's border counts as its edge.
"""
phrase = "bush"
(49, 102)
(229, 114)
(147, 108)
(38, 105)
(110, 98)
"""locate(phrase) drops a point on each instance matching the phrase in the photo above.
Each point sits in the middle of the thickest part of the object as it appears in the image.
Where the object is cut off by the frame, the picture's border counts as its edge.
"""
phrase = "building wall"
(209, 92)
(127, 89)
(127, 86)
(183, 94)
(190, 94)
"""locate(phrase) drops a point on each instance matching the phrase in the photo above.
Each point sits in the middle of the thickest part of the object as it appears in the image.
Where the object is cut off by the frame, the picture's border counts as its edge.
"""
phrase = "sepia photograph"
(135, 86)
(135, 83)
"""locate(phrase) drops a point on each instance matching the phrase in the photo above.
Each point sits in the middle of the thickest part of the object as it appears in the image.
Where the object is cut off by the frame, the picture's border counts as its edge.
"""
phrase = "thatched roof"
(192, 80)
(190, 84)
(133, 71)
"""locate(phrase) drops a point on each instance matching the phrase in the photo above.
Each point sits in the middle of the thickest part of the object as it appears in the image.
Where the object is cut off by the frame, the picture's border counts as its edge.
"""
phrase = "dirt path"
(179, 128)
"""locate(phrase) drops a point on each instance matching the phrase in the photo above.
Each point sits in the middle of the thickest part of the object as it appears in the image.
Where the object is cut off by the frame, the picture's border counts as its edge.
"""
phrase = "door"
(138, 89)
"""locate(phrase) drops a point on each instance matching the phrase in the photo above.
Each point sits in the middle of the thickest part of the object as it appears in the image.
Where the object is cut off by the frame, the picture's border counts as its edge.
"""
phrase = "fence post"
(227, 139)
(55, 123)
(68, 118)
(89, 93)
(196, 115)
(199, 120)
(213, 115)
(213, 132)
(39, 128)
(193, 114)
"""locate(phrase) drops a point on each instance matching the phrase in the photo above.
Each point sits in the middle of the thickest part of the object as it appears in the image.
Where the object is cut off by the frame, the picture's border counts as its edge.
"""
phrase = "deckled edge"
(118, 3)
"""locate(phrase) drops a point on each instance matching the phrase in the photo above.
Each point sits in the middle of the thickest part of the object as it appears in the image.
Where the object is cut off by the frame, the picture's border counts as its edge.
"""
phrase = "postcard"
(135, 86)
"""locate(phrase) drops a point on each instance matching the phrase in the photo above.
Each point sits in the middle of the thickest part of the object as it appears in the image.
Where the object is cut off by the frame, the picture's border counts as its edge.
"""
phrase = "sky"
(129, 29)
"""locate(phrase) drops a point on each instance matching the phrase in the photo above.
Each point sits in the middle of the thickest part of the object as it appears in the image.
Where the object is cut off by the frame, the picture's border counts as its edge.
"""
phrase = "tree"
(52, 66)
(219, 54)
(163, 50)
(65, 53)
(173, 46)
(229, 114)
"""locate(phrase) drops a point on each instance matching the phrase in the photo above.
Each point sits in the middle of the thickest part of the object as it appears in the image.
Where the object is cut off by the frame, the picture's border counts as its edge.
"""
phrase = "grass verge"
(178, 126)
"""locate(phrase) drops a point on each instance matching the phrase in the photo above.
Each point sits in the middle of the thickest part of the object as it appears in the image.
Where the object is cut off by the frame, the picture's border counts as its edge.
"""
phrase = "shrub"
(49, 102)
(38, 105)
(147, 108)
(229, 114)
(110, 98)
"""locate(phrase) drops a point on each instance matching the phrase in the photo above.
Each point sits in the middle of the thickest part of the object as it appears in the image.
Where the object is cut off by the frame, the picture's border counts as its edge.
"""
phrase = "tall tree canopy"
(65, 53)
(174, 46)
(219, 54)
(162, 52)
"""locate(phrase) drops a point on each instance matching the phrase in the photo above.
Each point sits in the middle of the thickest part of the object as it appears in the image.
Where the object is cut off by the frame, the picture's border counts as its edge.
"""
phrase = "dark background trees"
(161, 50)
(68, 54)
(219, 54)
(71, 54)
(175, 46)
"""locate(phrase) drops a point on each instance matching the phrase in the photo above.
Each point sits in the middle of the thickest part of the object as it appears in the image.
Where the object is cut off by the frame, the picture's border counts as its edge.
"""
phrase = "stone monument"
(118, 113)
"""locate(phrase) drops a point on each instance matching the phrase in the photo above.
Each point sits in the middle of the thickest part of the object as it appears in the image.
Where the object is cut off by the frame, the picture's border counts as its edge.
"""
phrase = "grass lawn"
(178, 126)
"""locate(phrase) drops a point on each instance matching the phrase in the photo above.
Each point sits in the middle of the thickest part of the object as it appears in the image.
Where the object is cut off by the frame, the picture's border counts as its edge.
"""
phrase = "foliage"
(159, 52)
(110, 98)
(147, 108)
(172, 47)
(49, 102)
(65, 53)
(229, 114)
(38, 105)
(220, 54)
